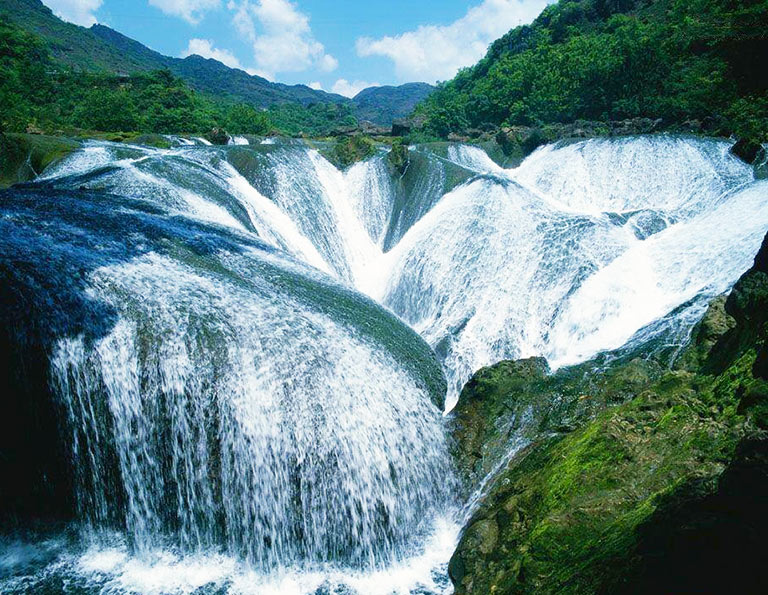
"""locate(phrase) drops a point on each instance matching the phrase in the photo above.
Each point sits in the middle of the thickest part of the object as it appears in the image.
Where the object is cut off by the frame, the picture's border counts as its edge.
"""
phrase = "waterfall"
(250, 348)
(217, 392)
(490, 264)
(575, 251)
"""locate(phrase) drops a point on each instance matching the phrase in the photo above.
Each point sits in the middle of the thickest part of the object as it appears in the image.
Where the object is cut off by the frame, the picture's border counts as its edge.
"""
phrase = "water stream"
(250, 351)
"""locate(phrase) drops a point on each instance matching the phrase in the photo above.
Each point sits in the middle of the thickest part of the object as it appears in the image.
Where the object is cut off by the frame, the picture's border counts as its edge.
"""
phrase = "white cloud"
(191, 11)
(344, 87)
(205, 48)
(433, 52)
(317, 86)
(80, 12)
(281, 37)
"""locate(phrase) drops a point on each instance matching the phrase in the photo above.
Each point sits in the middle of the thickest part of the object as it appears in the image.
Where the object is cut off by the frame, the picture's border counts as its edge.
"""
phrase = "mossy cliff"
(25, 156)
(665, 493)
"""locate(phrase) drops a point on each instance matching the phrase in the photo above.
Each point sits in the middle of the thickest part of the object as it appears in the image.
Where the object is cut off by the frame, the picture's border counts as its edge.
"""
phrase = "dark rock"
(401, 127)
(665, 493)
(217, 136)
(405, 126)
(372, 129)
(514, 403)
(748, 150)
(705, 335)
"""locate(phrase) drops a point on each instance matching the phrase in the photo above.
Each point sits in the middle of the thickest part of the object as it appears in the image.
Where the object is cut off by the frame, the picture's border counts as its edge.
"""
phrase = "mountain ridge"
(103, 49)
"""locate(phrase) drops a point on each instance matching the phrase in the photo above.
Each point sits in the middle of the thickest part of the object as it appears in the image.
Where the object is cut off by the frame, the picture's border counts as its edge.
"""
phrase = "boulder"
(217, 136)
(659, 488)
(749, 151)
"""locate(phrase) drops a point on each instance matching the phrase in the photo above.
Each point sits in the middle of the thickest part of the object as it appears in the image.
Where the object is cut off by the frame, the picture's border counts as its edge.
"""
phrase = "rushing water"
(239, 417)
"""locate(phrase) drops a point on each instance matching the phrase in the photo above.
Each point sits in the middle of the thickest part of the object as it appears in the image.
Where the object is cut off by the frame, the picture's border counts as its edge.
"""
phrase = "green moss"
(399, 157)
(350, 149)
(150, 140)
(25, 156)
(663, 493)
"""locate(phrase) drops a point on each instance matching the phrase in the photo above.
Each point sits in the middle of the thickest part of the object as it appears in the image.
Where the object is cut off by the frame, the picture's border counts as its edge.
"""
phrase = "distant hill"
(383, 105)
(211, 76)
(101, 49)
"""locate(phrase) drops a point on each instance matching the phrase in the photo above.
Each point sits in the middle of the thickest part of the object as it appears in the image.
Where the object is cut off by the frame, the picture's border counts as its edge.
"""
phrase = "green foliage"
(36, 92)
(316, 119)
(23, 61)
(618, 59)
(349, 150)
(245, 119)
(664, 493)
(399, 156)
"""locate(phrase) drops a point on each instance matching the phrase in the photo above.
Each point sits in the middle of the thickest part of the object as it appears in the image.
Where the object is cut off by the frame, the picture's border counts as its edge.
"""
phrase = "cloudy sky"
(337, 45)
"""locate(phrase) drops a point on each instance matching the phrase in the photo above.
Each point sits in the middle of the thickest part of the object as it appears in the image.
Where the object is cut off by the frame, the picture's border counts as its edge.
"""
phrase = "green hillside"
(101, 50)
(675, 60)
(383, 105)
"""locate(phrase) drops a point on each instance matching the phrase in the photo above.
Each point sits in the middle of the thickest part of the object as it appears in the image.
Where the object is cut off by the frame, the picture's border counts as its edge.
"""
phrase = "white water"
(581, 249)
(576, 250)
(297, 421)
(568, 255)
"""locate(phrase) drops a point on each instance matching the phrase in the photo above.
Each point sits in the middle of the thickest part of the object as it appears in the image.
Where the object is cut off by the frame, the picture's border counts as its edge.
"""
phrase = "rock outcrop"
(665, 493)
(25, 156)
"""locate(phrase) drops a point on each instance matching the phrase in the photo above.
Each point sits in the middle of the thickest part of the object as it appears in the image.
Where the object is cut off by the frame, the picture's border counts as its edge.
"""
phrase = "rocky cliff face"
(666, 492)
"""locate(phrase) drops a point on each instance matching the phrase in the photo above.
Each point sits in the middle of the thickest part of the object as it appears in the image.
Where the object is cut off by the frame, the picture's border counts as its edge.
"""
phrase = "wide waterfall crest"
(487, 263)
(278, 443)
(218, 396)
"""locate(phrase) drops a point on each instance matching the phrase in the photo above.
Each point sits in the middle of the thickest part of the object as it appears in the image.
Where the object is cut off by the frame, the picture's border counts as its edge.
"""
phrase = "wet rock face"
(663, 493)
(506, 407)
(748, 150)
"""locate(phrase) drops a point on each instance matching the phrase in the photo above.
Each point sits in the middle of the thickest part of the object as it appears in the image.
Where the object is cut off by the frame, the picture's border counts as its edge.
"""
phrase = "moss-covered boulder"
(399, 156)
(348, 150)
(666, 493)
(25, 156)
(509, 405)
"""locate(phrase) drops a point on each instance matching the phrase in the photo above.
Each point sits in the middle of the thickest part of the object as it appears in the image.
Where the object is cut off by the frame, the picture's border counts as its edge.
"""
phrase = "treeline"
(677, 60)
(38, 93)
(318, 119)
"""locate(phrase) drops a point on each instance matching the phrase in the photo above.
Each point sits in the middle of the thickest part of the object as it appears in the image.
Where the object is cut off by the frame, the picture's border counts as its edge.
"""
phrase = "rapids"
(572, 253)
(227, 334)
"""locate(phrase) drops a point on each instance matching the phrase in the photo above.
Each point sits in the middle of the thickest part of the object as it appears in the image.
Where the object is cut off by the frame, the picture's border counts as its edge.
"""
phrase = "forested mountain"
(675, 60)
(103, 50)
(384, 104)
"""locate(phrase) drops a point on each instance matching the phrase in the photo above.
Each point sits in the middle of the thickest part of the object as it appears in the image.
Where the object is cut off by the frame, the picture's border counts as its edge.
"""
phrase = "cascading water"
(576, 250)
(227, 394)
(217, 394)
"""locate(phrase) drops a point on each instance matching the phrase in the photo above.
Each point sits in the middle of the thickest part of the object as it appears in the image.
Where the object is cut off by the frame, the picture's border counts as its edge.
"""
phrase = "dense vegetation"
(676, 60)
(35, 92)
(636, 479)
(296, 108)
(317, 119)
(99, 49)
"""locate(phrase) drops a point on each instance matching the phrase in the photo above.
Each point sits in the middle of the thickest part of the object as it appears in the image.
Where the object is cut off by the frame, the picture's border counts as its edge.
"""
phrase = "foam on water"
(242, 388)
(491, 269)
(114, 569)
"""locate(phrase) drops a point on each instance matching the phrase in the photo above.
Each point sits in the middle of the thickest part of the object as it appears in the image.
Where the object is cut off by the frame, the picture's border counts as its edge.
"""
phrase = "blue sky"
(337, 45)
